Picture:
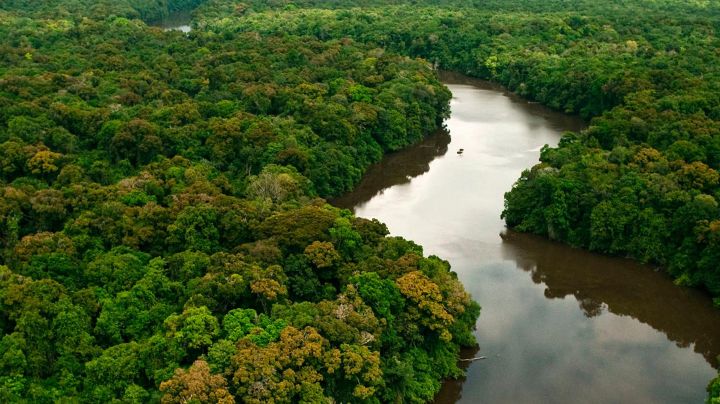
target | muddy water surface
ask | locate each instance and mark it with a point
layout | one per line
(558, 325)
(175, 21)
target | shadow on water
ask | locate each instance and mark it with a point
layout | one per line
(620, 286)
(565, 121)
(633, 337)
(175, 21)
(396, 169)
(451, 390)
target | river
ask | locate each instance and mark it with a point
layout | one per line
(558, 325)
(175, 21)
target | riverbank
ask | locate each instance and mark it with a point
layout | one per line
(561, 322)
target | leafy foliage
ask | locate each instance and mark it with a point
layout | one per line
(643, 180)
(714, 391)
(162, 236)
(158, 190)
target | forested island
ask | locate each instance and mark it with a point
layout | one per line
(163, 229)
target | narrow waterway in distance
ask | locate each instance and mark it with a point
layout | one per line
(558, 325)
(175, 21)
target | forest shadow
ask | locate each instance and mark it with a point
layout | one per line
(395, 169)
(620, 286)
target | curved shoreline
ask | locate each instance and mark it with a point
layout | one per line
(576, 290)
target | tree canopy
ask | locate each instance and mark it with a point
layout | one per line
(162, 233)
(162, 236)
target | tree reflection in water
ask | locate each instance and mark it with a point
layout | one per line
(620, 286)
(396, 169)
(451, 390)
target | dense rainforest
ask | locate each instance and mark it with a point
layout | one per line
(642, 181)
(161, 228)
(162, 233)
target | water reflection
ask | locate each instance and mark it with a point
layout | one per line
(558, 325)
(622, 287)
(175, 21)
(452, 389)
(396, 169)
(562, 122)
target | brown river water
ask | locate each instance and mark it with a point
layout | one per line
(558, 325)
(175, 21)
